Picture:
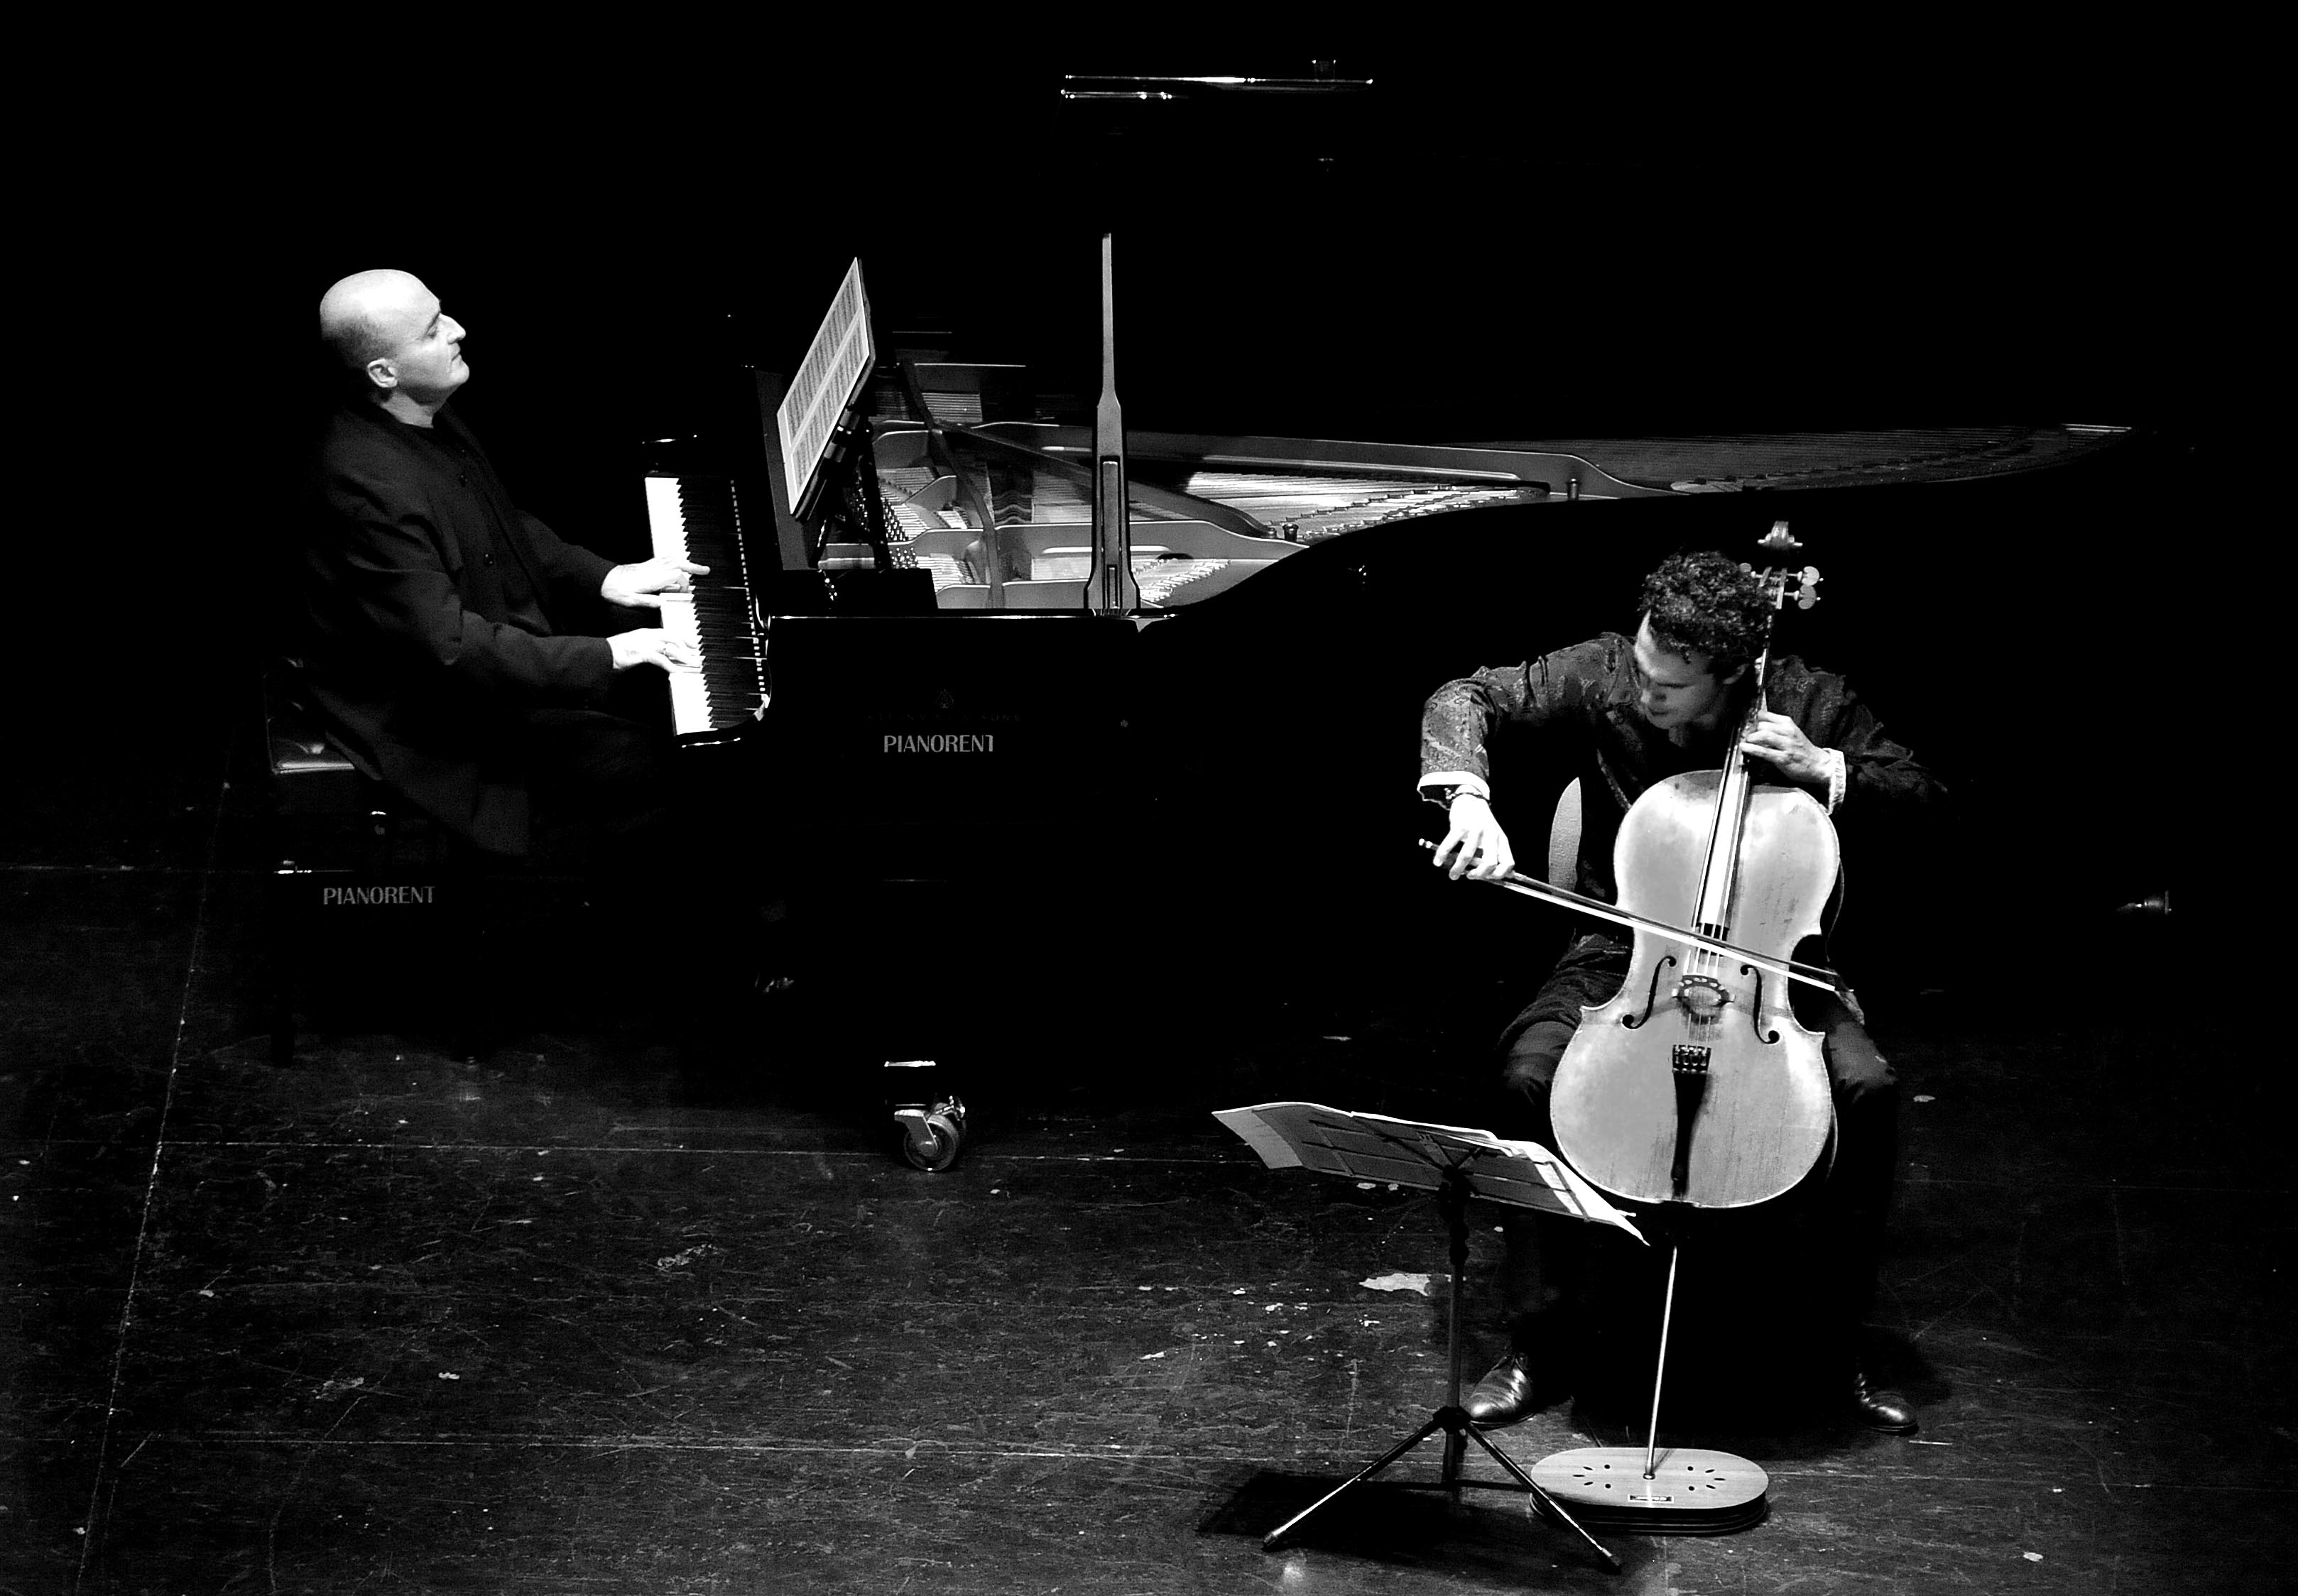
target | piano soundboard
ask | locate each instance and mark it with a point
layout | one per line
(1158, 571)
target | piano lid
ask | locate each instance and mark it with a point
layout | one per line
(1210, 511)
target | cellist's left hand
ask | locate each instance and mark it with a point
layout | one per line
(1781, 742)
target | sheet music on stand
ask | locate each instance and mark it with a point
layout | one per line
(1402, 1152)
(839, 358)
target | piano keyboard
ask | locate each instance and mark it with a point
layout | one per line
(695, 518)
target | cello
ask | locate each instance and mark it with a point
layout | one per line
(1696, 1083)
(1696, 1086)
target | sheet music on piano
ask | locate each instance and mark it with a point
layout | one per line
(700, 517)
(842, 355)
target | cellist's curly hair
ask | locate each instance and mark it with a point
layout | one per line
(1704, 603)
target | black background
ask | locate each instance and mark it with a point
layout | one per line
(1513, 236)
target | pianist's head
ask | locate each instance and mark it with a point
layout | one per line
(395, 344)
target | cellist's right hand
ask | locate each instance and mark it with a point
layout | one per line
(1475, 847)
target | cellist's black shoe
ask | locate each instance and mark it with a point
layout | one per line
(1878, 1410)
(1544, 1346)
(1505, 1395)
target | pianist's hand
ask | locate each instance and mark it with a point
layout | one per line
(1474, 845)
(637, 586)
(651, 646)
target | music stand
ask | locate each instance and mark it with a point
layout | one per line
(1457, 1163)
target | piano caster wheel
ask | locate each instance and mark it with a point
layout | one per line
(932, 1137)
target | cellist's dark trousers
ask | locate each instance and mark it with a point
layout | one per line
(1548, 1259)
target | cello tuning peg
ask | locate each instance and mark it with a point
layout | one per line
(1807, 592)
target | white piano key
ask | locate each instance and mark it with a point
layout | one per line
(690, 706)
(663, 520)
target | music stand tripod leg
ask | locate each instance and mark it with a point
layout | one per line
(1452, 1419)
(1275, 1537)
(1543, 1501)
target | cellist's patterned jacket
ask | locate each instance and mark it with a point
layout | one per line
(1587, 696)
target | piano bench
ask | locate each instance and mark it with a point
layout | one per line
(348, 860)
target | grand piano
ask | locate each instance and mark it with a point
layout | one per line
(1025, 784)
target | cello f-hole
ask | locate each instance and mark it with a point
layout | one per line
(1755, 1008)
(1629, 1022)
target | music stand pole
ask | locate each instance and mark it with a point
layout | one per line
(1452, 1419)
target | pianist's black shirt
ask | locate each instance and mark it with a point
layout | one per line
(437, 611)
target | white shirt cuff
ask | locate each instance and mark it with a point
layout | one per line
(1459, 781)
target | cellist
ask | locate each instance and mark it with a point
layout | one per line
(1638, 709)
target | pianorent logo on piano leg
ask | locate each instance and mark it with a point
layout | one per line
(346, 896)
(940, 742)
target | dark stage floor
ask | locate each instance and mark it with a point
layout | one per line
(563, 1319)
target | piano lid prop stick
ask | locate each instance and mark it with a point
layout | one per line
(1111, 590)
